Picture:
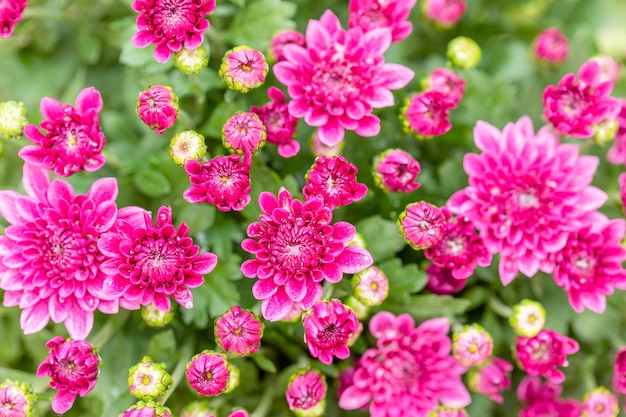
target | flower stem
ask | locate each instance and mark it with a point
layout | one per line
(266, 400)
(110, 328)
(185, 354)
(499, 307)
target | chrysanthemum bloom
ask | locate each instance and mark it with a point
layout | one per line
(526, 193)
(10, 15)
(280, 40)
(528, 318)
(396, 171)
(622, 186)
(472, 345)
(444, 13)
(73, 140)
(600, 403)
(422, 225)
(171, 25)
(491, 379)
(425, 114)
(609, 68)
(319, 148)
(460, 249)
(340, 77)
(617, 153)
(148, 380)
(446, 82)
(12, 119)
(443, 411)
(238, 331)
(619, 372)
(589, 267)
(147, 264)
(328, 326)
(409, 369)
(540, 355)
(551, 46)
(223, 181)
(208, 373)
(156, 318)
(307, 391)
(543, 399)
(16, 399)
(370, 286)
(243, 69)
(191, 61)
(297, 248)
(280, 125)
(186, 146)
(574, 106)
(463, 53)
(441, 281)
(374, 14)
(157, 107)
(244, 133)
(333, 179)
(48, 255)
(73, 366)
(148, 408)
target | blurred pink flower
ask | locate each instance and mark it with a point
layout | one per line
(472, 345)
(73, 140)
(10, 15)
(446, 82)
(148, 408)
(543, 399)
(16, 399)
(619, 371)
(422, 225)
(622, 186)
(333, 179)
(238, 331)
(541, 354)
(551, 46)
(609, 68)
(243, 69)
(426, 114)
(441, 281)
(208, 373)
(396, 171)
(306, 389)
(280, 40)
(445, 13)
(244, 133)
(600, 402)
(340, 77)
(280, 126)
(617, 153)
(491, 379)
(374, 14)
(157, 107)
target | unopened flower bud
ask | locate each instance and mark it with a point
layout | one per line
(528, 318)
(156, 318)
(233, 381)
(605, 131)
(370, 286)
(16, 399)
(12, 119)
(306, 393)
(244, 133)
(148, 380)
(551, 46)
(243, 69)
(208, 373)
(396, 171)
(422, 225)
(187, 145)
(157, 107)
(148, 408)
(600, 403)
(238, 331)
(197, 409)
(191, 61)
(472, 345)
(464, 53)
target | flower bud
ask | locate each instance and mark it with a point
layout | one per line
(16, 399)
(464, 53)
(370, 286)
(282, 38)
(156, 318)
(551, 46)
(528, 318)
(148, 408)
(12, 119)
(238, 331)
(422, 225)
(605, 131)
(191, 61)
(243, 133)
(600, 403)
(444, 13)
(243, 69)
(197, 409)
(306, 393)
(186, 146)
(148, 380)
(396, 171)
(472, 345)
(491, 379)
(208, 373)
(157, 107)
(360, 309)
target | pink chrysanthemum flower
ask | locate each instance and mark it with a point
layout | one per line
(146, 264)
(73, 140)
(619, 372)
(396, 170)
(443, 411)
(472, 345)
(370, 286)
(551, 46)
(171, 25)
(528, 318)
(10, 15)
(244, 133)
(589, 267)
(208, 373)
(600, 403)
(491, 379)
(280, 126)
(422, 225)
(297, 248)
(16, 399)
(617, 153)
(157, 107)
(446, 82)
(224, 181)
(148, 408)
(526, 193)
(340, 77)
(374, 14)
(238, 331)
(73, 366)
(445, 13)
(543, 399)
(280, 40)
(409, 369)
(307, 391)
(243, 69)
(328, 327)
(425, 114)
(333, 179)
(540, 355)
(573, 106)
(48, 255)
(441, 281)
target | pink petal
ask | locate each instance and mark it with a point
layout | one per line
(382, 323)
(264, 288)
(332, 271)
(51, 109)
(35, 318)
(396, 76)
(36, 181)
(317, 38)
(286, 72)
(486, 137)
(296, 289)
(377, 41)
(205, 263)
(331, 133)
(79, 322)
(343, 231)
(354, 259)
(354, 398)
(268, 202)
(142, 39)
(103, 189)
(183, 296)
(277, 306)
(89, 99)
(63, 401)
(368, 126)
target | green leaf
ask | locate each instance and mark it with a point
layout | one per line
(593, 327)
(152, 183)
(89, 46)
(221, 294)
(264, 362)
(381, 236)
(220, 115)
(429, 305)
(197, 216)
(407, 278)
(255, 25)
(162, 345)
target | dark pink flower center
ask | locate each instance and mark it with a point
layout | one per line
(332, 335)
(541, 352)
(159, 261)
(337, 80)
(174, 16)
(574, 102)
(296, 248)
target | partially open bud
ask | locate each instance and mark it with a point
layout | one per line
(243, 69)
(422, 225)
(306, 393)
(191, 61)
(148, 380)
(244, 133)
(157, 107)
(208, 373)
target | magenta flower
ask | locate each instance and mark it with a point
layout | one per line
(600, 403)
(472, 345)
(551, 46)
(280, 40)
(445, 13)
(73, 140)
(333, 179)
(73, 366)
(297, 248)
(10, 15)
(280, 126)
(422, 225)
(208, 373)
(171, 25)
(374, 14)
(617, 153)
(409, 369)
(619, 372)
(491, 379)
(370, 286)
(609, 68)
(574, 107)
(541, 354)
(340, 77)
(48, 255)
(16, 399)
(238, 331)
(145, 264)
(396, 171)
(543, 399)
(441, 281)
(306, 390)
(526, 193)
(148, 408)
(243, 69)
(447, 83)
(426, 114)
(224, 181)
(244, 133)
(328, 328)
(157, 107)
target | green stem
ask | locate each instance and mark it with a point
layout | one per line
(328, 290)
(110, 328)
(185, 354)
(43, 13)
(499, 307)
(617, 342)
(112, 160)
(589, 381)
(266, 400)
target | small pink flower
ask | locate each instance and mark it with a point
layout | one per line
(445, 13)
(600, 403)
(238, 331)
(543, 399)
(370, 286)
(551, 46)
(148, 408)
(374, 14)
(472, 345)
(306, 389)
(208, 373)
(491, 379)
(426, 114)
(16, 399)
(609, 68)
(243, 69)
(157, 107)
(280, 126)
(147, 264)
(422, 225)
(540, 355)
(171, 25)
(333, 179)
(73, 140)
(244, 133)
(328, 327)
(619, 372)
(10, 15)
(396, 170)
(282, 39)
(73, 366)
(441, 281)
(446, 82)
(148, 380)
(224, 181)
